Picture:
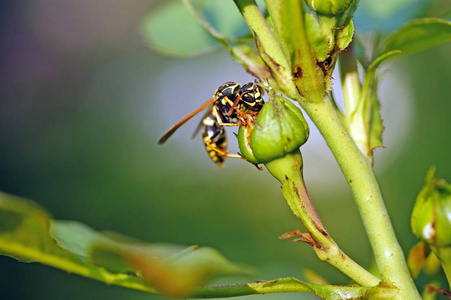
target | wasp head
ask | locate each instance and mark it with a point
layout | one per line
(251, 95)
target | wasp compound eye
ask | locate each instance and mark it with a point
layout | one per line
(251, 96)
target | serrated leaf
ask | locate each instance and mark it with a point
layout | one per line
(345, 35)
(376, 126)
(27, 233)
(418, 35)
(366, 122)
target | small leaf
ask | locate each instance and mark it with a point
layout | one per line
(418, 35)
(320, 35)
(376, 126)
(345, 35)
(432, 265)
(416, 258)
(366, 122)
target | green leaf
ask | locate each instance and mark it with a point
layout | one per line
(418, 35)
(173, 273)
(238, 48)
(27, 233)
(172, 30)
(345, 35)
(376, 126)
(416, 258)
(320, 35)
(75, 237)
(366, 122)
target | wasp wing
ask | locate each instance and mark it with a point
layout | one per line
(201, 123)
(177, 125)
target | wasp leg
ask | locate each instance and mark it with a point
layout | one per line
(219, 119)
(222, 152)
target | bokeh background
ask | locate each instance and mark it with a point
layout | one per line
(83, 102)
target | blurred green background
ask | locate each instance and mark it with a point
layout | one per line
(83, 102)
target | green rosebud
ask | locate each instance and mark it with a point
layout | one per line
(274, 139)
(431, 216)
(329, 7)
(280, 128)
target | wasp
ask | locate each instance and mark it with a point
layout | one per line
(232, 104)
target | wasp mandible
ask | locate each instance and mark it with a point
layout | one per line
(232, 104)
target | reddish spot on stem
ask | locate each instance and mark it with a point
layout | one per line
(298, 73)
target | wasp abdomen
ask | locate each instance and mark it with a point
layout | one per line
(215, 140)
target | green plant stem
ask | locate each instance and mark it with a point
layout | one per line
(354, 165)
(290, 285)
(282, 285)
(329, 250)
(288, 170)
(362, 181)
(253, 15)
(267, 44)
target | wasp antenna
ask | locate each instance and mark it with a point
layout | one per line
(235, 104)
(177, 125)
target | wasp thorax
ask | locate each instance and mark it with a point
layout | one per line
(229, 89)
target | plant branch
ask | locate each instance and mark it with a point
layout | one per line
(362, 181)
(267, 45)
(288, 170)
(290, 285)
